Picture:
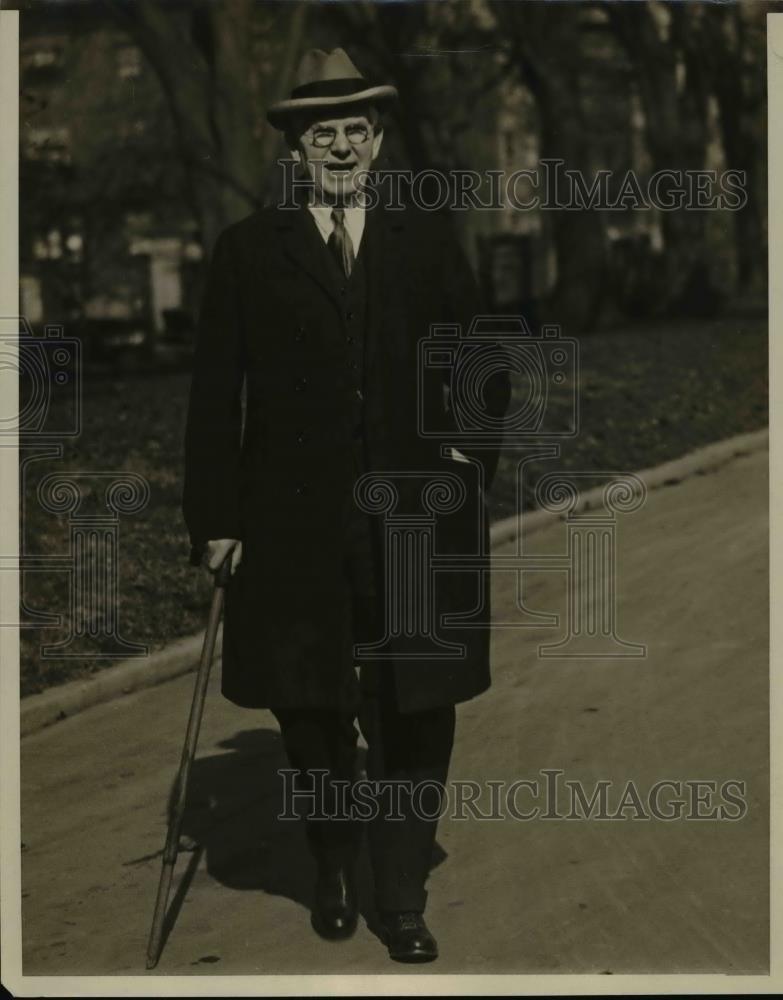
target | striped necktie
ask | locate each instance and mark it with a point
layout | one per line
(340, 242)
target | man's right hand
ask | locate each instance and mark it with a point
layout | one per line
(217, 549)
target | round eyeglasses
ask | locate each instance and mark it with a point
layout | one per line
(324, 136)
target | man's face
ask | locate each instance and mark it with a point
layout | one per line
(335, 152)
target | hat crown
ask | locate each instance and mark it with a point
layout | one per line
(328, 80)
(317, 66)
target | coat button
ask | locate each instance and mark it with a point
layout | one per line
(300, 332)
(302, 489)
(349, 340)
(301, 384)
(354, 365)
(301, 437)
(349, 315)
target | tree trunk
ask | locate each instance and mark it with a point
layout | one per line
(206, 66)
(739, 89)
(676, 133)
(546, 49)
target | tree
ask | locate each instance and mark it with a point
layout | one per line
(546, 50)
(734, 39)
(215, 63)
(665, 47)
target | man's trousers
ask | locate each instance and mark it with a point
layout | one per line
(407, 753)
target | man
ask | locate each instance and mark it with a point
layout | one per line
(319, 308)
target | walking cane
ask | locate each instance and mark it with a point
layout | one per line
(222, 576)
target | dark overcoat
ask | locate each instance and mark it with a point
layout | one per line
(272, 317)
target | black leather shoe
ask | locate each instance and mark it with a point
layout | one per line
(408, 938)
(336, 909)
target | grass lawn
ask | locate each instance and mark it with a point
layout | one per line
(653, 393)
(646, 395)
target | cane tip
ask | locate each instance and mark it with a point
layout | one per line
(152, 961)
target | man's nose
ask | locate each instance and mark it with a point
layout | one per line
(341, 147)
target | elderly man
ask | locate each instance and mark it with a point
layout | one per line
(319, 307)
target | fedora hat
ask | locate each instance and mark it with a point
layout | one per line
(327, 80)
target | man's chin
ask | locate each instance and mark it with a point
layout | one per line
(345, 191)
(336, 185)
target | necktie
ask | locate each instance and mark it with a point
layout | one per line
(340, 242)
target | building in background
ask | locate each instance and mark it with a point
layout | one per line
(108, 239)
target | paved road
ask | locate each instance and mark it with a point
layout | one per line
(539, 895)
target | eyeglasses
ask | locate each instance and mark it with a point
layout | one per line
(324, 136)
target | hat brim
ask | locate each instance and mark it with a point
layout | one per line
(280, 112)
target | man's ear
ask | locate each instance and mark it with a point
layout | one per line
(377, 140)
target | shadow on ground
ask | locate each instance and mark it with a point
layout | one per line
(231, 820)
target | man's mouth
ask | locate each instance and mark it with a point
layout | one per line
(340, 168)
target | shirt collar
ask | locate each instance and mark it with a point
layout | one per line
(354, 221)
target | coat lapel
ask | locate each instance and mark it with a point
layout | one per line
(303, 244)
(383, 247)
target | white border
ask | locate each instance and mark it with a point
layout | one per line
(376, 985)
(10, 839)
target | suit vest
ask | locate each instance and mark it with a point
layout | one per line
(352, 293)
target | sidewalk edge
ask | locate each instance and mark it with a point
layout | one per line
(669, 473)
(180, 657)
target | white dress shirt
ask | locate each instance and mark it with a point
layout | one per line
(354, 222)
